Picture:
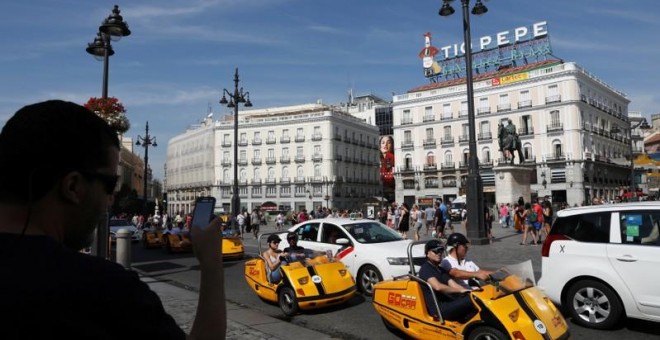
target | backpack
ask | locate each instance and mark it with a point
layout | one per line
(532, 216)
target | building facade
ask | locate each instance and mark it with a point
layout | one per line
(564, 117)
(293, 157)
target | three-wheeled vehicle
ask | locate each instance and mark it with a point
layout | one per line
(314, 281)
(508, 306)
(232, 245)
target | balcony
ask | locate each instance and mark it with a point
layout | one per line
(483, 110)
(503, 107)
(271, 140)
(529, 131)
(406, 169)
(338, 157)
(243, 161)
(270, 160)
(256, 141)
(462, 165)
(256, 161)
(429, 119)
(300, 138)
(555, 127)
(285, 159)
(448, 166)
(583, 98)
(447, 140)
(555, 157)
(299, 159)
(226, 143)
(317, 137)
(285, 139)
(486, 163)
(463, 138)
(337, 137)
(406, 121)
(462, 113)
(285, 180)
(270, 181)
(407, 144)
(299, 179)
(446, 116)
(317, 157)
(485, 136)
(524, 103)
(242, 142)
(255, 182)
(553, 99)
(226, 162)
(429, 142)
(430, 167)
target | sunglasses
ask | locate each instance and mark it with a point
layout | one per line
(109, 181)
(438, 250)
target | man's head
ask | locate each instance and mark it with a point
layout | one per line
(292, 238)
(457, 245)
(434, 251)
(62, 152)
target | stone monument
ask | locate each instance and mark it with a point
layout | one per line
(512, 182)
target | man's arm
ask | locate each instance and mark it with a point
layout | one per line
(446, 289)
(465, 275)
(211, 318)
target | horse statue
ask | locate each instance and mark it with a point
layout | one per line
(509, 142)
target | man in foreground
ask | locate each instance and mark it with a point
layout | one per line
(58, 166)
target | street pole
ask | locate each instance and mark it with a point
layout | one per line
(475, 228)
(145, 142)
(235, 98)
(112, 27)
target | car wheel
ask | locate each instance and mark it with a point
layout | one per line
(487, 332)
(594, 305)
(287, 300)
(368, 276)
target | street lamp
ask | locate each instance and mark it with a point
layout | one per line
(145, 142)
(113, 28)
(475, 229)
(234, 99)
(644, 126)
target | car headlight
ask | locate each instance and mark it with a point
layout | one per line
(398, 261)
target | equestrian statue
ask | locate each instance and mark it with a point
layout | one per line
(509, 142)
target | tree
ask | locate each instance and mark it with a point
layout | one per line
(111, 110)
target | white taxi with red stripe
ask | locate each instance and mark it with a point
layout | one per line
(369, 249)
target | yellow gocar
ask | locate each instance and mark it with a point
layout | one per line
(310, 283)
(508, 307)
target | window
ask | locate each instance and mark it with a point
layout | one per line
(430, 158)
(309, 232)
(243, 155)
(243, 137)
(446, 111)
(592, 228)
(484, 127)
(448, 157)
(317, 170)
(640, 227)
(317, 149)
(485, 155)
(271, 173)
(285, 133)
(300, 172)
(285, 172)
(483, 102)
(242, 174)
(407, 136)
(300, 152)
(225, 156)
(257, 154)
(554, 118)
(429, 133)
(257, 174)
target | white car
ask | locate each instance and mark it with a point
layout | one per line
(116, 224)
(602, 263)
(369, 249)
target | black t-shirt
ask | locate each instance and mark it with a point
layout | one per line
(294, 249)
(48, 291)
(427, 271)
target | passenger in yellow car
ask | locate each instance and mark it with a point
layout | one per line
(274, 259)
(453, 299)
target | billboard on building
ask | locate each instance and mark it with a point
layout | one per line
(387, 161)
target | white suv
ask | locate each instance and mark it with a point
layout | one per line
(602, 263)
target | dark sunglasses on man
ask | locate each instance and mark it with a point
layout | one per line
(109, 181)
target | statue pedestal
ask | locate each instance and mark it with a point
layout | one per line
(512, 182)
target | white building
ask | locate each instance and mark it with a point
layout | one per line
(563, 116)
(291, 157)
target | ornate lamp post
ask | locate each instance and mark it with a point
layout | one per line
(113, 28)
(476, 230)
(235, 98)
(145, 142)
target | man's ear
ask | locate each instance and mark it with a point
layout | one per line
(71, 187)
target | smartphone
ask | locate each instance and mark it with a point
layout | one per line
(203, 212)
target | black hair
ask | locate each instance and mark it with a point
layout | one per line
(44, 141)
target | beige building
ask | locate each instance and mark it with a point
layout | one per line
(564, 117)
(293, 157)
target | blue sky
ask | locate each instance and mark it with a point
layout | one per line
(182, 53)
